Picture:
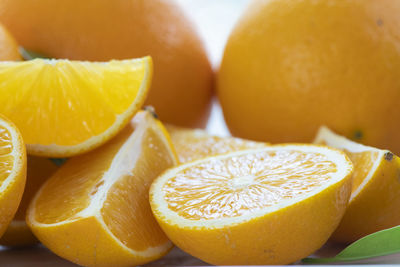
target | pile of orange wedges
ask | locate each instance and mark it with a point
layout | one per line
(106, 184)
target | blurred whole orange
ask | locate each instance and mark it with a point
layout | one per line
(8, 46)
(99, 30)
(292, 65)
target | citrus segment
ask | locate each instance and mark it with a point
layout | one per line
(99, 30)
(119, 198)
(95, 211)
(12, 171)
(18, 233)
(69, 107)
(192, 144)
(241, 207)
(375, 199)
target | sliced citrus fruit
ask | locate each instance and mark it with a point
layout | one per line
(192, 144)
(271, 205)
(375, 200)
(12, 171)
(18, 233)
(95, 211)
(64, 108)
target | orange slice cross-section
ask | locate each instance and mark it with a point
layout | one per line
(64, 108)
(12, 171)
(375, 200)
(271, 205)
(95, 211)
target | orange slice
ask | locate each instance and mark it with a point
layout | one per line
(95, 211)
(12, 171)
(272, 205)
(64, 108)
(192, 144)
(18, 233)
(375, 200)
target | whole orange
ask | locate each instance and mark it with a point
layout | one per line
(8, 46)
(292, 65)
(100, 30)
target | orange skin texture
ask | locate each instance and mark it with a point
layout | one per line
(293, 65)
(8, 46)
(375, 208)
(100, 30)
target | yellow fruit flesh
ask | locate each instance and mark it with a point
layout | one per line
(363, 162)
(121, 212)
(71, 188)
(271, 205)
(6, 159)
(195, 144)
(12, 171)
(69, 107)
(374, 203)
(65, 90)
(243, 184)
(120, 198)
(108, 189)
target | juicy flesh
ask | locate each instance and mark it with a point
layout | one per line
(234, 186)
(6, 158)
(58, 98)
(127, 207)
(126, 210)
(71, 188)
(363, 163)
(191, 146)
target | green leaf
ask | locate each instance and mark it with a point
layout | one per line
(381, 243)
(29, 55)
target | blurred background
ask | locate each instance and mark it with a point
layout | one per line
(214, 21)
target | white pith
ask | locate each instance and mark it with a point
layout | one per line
(332, 139)
(130, 152)
(17, 164)
(160, 206)
(56, 150)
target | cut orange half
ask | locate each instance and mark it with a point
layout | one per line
(64, 108)
(18, 233)
(375, 200)
(192, 144)
(12, 171)
(95, 209)
(272, 205)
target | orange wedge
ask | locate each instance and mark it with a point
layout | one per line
(12, 171)
(95, 211)
(192, 144)
(64, 108)
(18, 233)
(375, 200)
(271, 205)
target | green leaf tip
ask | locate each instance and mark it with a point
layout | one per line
(378, 244)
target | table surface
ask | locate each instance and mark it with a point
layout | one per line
(214, 20)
